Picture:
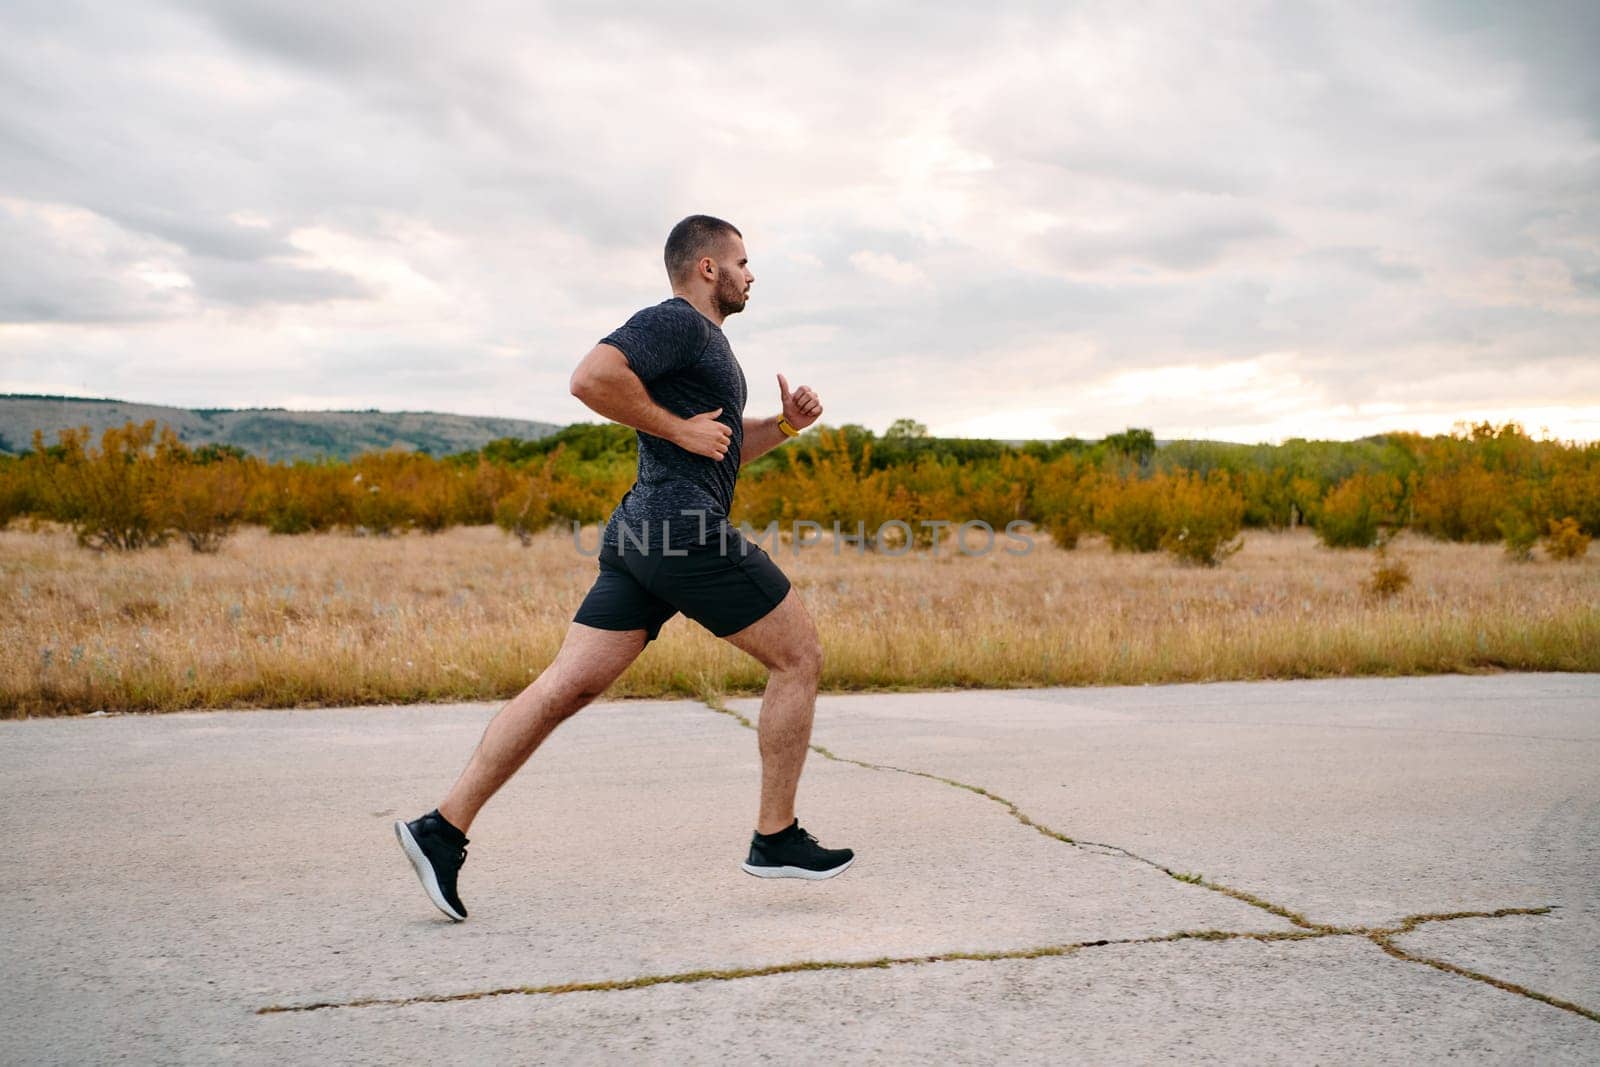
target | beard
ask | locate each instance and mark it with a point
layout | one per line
(729, 297)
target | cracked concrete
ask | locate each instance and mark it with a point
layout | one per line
(1327, 1000)
(1349, 801)
(1544, 953)
(183, 873)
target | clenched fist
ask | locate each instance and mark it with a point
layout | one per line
(703, 435)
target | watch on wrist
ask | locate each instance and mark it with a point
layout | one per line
(788, 430)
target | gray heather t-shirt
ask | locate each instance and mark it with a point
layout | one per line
(687, 367)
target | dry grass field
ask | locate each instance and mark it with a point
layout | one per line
(470, 615)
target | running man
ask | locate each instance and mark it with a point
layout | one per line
(669, 373)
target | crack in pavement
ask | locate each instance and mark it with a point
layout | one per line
(715, 704)
(1478, 976)
(1380, 936)
(883, 963)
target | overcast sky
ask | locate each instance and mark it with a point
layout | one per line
(1245, 221)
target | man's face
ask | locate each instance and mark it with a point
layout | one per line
(733, 276)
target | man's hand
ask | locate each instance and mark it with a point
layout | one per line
(703, 435)
(801, 407)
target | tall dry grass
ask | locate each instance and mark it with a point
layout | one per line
(470, 614)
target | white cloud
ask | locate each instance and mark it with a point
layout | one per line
(1063, 218)
(885, 267)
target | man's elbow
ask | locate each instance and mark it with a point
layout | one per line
(592, 375)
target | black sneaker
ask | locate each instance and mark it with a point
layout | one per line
(793, 853)
(437, 850)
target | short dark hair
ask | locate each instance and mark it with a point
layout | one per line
(691, 239)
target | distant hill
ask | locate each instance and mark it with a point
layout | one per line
(271, 433)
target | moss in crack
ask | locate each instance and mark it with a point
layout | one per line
(1411, 922)
(1382, 940)
(1380, 936)
(716, 704)
(880, 963)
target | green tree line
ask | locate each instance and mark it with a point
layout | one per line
(138, 485)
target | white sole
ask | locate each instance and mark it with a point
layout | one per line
(796, 872)
(424, 869)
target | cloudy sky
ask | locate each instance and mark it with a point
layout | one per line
(1238, 220)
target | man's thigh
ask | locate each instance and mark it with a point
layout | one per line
(785, 638)
(591, 659)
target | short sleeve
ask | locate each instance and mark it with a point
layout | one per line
(661, 340)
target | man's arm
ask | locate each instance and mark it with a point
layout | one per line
(608, 386)
(760, 437)
(801, 408)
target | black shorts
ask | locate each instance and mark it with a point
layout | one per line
(723, 588)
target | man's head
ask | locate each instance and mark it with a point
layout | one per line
(705, 256)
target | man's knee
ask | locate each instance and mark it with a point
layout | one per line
(571, 694)
(803, 656)
(589, 661)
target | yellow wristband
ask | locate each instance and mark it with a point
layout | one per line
(788, 430)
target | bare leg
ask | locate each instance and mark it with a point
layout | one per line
(590, 660)
(785, 642)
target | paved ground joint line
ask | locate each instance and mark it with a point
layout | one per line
(1382, 937)
(1379, 936)
(716, 704)
(693, 977)
(1399, 953)
(885, 962)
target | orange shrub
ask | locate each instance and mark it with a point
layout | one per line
(1390, 577)
(110, 495)
(1132, 512)
(1063, 499)
(15, 499)
(1566, 540)
(204, 502)
(1574, 489)
(1463, 504)
(1202, 518)
(301, 498)
(827, 484)
(524, 508)
(1355, 511)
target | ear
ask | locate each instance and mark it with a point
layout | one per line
(708, 267)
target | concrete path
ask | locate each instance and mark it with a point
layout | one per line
(1385, 869)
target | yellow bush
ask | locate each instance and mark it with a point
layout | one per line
(1063, 499)
(1566, 540)
(828, 484)
(110, 495)
(1463, 504)
(1202, 518)
(302, 497)
(204, 502)
(524, 508)
(1132, 512)
(1356, 510)
(1390, 577)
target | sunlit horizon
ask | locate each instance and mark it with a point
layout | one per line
(1564, 425)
